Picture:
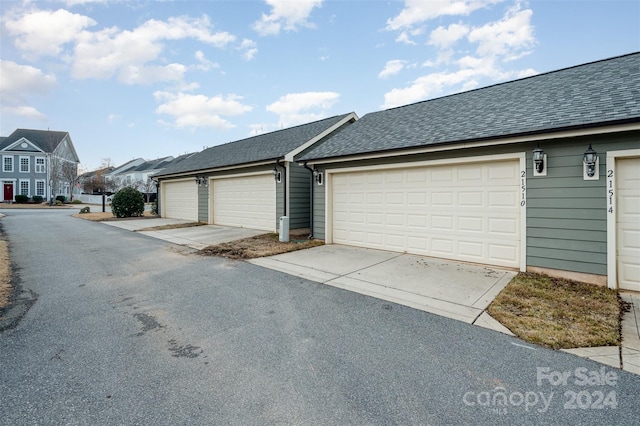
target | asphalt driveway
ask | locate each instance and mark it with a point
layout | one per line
(132, 330)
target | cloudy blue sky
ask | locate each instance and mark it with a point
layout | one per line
(150, 79)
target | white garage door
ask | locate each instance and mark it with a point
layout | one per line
(247, 202)
(180, 199)
(628, 218)
(468, 212)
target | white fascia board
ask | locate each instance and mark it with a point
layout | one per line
(289, 156)
(491, 142)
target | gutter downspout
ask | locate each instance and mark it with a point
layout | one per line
(310, 202)
(284, 181)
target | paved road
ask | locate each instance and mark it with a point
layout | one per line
(129, 330)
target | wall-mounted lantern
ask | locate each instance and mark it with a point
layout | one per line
(317, 177)
(539, 162)
(277, 175)
(590, 163)
(202, 181)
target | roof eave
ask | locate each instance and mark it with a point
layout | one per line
(188, 173)
(556, 133)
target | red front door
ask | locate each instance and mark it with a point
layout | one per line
(8, 192)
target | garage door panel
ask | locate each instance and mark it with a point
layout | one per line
(456, 212)
(628, 223)
(247, 202)
(181, 200)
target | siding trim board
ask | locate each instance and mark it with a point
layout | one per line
(611, 209)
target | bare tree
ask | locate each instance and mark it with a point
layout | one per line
(69, 175)
(148, 187)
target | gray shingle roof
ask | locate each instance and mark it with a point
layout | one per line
(46, 140)
(268, 146)
(597, 93)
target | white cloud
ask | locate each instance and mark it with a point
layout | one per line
(193, 111)
(507, 37)
(134, 74)
(496, 44)
(249, 47)
(17, 84)
(392, 67)
(285, 15)
(24, 111)
(418, 11)
(298, 108)
(445, 37)
(205, 64)
(108, 52)
(44, 32)
(18, 80)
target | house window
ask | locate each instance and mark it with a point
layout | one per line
(40, 165)
(7, 164)
(40, 188)
(24, 164)
(24, 187)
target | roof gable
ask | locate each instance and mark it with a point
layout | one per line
(594, 94)
(266, 147)
(44, 140)
(23, 145)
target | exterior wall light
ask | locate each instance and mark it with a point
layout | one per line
(539, 162)
(277, 175)
(202, 181)
(590, 163)
(317, 177)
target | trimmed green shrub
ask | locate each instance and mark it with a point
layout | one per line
(127, 202)
(37, 198)
(76, 202)
(61, 198)
(21, 198)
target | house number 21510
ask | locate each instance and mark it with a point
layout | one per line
(523, 188)
(610, 191)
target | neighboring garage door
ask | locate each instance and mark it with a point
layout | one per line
(180, 199)
(628, 222)
(468, 212)
(247, 202)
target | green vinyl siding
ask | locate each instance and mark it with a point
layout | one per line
(566, 215)
(318, 210)
(566, 223)
(299, 196)
(203, 203)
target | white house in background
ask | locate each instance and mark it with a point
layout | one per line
(137, 173)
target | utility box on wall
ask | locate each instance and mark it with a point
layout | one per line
(284, 229)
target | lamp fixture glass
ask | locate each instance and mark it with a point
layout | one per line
(590, 158)
(538, 159)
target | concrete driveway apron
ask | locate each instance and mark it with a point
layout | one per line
(197, 237)
(447, 288)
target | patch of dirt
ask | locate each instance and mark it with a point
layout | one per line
(103, 217)
(559, 313)
(260, 246)
(5, 273)
(174, 226)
